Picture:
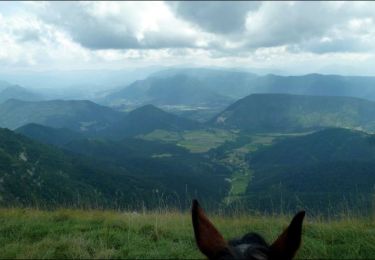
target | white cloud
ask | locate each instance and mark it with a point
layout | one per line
(121, 25)
(114, 34)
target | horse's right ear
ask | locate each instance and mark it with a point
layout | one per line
(287, 244)
(208, 238)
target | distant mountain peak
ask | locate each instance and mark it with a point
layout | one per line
(147, 108)
(18, 92)
(146, 119)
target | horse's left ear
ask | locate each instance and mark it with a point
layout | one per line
(208, 238)
(286, 245)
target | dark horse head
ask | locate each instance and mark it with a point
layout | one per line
(251, 246)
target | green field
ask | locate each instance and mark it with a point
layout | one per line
(259, 140)
(197, 141)
(108, 234)
(241, 175)
(162, 135)
(200, 141)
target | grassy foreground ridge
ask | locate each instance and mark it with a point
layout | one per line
(64, 233)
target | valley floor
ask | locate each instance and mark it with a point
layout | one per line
(27, 233)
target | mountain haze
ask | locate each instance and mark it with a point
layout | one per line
(229, 83)
(178, 89)
(220, 86)
(316, 85)
(8, 91)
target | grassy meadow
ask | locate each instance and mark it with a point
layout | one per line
(196, 141)
(64, 233)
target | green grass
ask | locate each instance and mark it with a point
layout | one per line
(266, 139)
(109, 234)
(200, 141)
(203, 140)
(241, 175)
(162, 135)
(239, 183)
(197, 141)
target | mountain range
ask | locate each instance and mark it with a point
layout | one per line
(74, 118)
(288, 113)
(77, 115)
(177, 90)
(79, 153)
(177, 86)
(254, 113)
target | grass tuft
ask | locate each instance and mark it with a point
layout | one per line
(27, 233)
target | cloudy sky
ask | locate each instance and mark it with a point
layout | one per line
(290, 36)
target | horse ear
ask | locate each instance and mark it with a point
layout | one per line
(208, 238)
(286, 245)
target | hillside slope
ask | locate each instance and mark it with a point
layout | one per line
(33, 174)
(287, 113)
(146, 119)
(14, 91)
(323, 171)
(80, 115)
(168, 86)
(178, 89)
(49, 135)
